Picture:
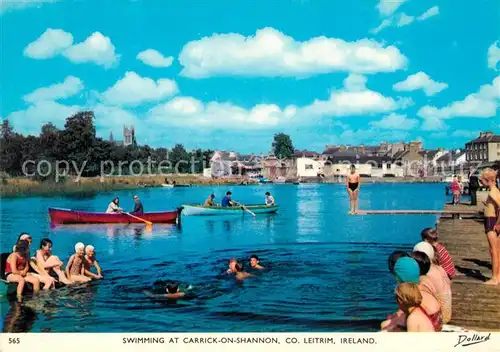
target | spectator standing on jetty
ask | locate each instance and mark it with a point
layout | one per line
(456, 189)
(473, 187)
(352, 184)
(492, 222)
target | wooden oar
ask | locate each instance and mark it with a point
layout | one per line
(245, 208)
(138, 218)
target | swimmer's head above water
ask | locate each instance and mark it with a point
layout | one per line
(172, 288)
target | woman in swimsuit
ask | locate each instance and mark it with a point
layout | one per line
(409, 299)
(16, 269)
(352, 184)
(50, 262)
(492, 223)
(75, 270)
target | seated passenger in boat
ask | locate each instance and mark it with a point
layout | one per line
(254, 263)
(36, 269)
(49, 262)
(16, 269)
(138, 207)
(75, 269)
(269, 199)
(226, 201)
(91, 261)
(210, 201)
(114, 206)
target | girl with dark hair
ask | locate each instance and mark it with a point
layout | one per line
(17, 266)
(430, 235)
(50, 262)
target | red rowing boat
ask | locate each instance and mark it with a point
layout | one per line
(68, 216)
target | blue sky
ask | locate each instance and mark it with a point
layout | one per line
(228, 74)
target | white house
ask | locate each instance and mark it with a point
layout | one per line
(309, 167)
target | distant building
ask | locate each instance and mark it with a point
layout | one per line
(485, 148)
(128, 137)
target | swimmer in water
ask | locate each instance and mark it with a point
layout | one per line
(254, 263)
(232, 264)
(240, 274)
(352, 184)
(174, 292)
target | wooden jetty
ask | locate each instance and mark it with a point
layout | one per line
(475, 306)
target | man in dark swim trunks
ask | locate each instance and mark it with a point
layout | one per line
(352, 183)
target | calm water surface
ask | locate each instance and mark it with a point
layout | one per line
(327, 271)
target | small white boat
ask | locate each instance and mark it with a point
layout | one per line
(199, 209)
(167, 185)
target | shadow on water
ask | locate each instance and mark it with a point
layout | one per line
(19, 318)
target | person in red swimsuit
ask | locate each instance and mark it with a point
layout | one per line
(409, 299)
(16, 269)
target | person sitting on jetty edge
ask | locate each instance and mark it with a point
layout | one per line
(16, 269)
(353, 181)
(75, 269)
(430, 235)
(226, 201)
(254, 263)
(91, 261)
(210, 201)
(409, 300)
(269, 199)
(50, 262)
(138, 207)
(114, 206)
(492, 223)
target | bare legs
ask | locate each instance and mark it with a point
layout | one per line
(79, 278)
(494, 248)
(353, 200)
(21, 281)
(54, 263)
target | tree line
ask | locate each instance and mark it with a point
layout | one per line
(78, 144)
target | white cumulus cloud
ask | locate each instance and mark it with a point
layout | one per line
(97, 48)
(388, 7)
(9, 5)
(422, 81)
(154, 58)
(133, 89)
(353, 99)
(190, 112)
(396, 122)
(433, 11)
(51, 43)
(270, 53)
(31, 119)
(483, 104)
(405, 20)
(494, 56)
(69, 87)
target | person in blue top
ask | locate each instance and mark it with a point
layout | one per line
(226, 201)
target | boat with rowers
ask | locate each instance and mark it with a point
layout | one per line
(200, 209)
(69, 216)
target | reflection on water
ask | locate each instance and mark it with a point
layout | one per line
(325, 270)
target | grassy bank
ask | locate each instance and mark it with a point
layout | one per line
(26, 187)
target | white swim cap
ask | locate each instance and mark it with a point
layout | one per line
(89, 248)
(79, 245)
(425, 248)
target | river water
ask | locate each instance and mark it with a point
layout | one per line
(326, 270)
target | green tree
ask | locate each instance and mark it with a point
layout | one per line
(179, 159)
(282, 146)
(11, 146)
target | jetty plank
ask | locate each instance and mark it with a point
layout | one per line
(475, 306)
(417, 212)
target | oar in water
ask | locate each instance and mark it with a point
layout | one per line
(245, 208)
(138, 218)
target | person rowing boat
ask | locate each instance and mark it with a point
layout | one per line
(227, 201)
(269, 199)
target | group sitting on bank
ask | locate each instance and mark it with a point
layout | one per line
(423, 293)
(47, 269)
